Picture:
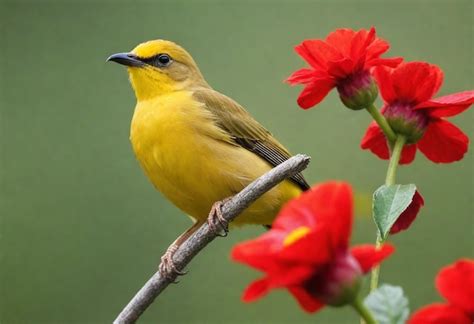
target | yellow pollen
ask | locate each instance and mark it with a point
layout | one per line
(295, 235)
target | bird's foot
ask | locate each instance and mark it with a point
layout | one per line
(216, 221)
(167, 267)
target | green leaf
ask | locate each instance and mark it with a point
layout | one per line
(388, 204)
(388, 304)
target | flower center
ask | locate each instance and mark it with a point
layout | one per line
(407, 121)
(295, 235)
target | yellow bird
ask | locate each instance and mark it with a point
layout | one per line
(196, 145)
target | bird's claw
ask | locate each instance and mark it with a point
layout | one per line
(216, 219)
(167, 267)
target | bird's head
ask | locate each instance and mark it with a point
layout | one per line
(158, 67)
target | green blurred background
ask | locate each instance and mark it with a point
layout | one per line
(82, 228)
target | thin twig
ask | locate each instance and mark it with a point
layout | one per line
(194, 244)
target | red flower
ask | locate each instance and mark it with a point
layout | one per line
(307, 250)
(411, 111)
(456, 283)
(342, 60)
(408, 216)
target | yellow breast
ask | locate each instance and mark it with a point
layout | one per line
(188, 158)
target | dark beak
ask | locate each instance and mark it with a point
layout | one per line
(127, 59)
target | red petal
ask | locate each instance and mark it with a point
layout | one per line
(375, 141)
(315, 92)
(327, 206)
(255, 290)
(345, 51)
(314, 249)
(377, 48)
(258, 253)
(332, 206)
(449, 105)
(359, 44)
(456, 283)
(341, 69)
(439, 314)
(295, 214)
(317, 53)
(290, 275)
(299, 212)
(341, 39)
(369, 256)
(384, 80)
(302, 76)
(443, 142)
(387, 62)
(408, 154)
(306, 301)
(416, 81)
(361, 40)
(408, 216)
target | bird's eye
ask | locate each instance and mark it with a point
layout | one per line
(163, 60)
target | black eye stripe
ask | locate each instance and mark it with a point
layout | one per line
(160, 60)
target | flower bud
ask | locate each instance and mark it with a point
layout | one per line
(358, 91)
(406, 121)
(339, 283)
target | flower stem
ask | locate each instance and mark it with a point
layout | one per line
(382, 122)
(394, 159)
(374, 276)
(363, 311)
(389, 180)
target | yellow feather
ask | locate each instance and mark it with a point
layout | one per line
(170, 137)
(183, 145)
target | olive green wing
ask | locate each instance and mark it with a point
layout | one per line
(245, 131)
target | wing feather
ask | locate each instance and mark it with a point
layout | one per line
(245, 131)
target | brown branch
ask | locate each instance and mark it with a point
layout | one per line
(195, 243)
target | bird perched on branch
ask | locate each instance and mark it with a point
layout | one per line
(196, 145)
